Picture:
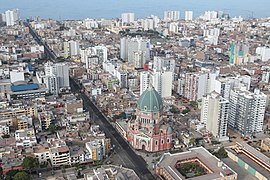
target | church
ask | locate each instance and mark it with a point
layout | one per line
(147, 132)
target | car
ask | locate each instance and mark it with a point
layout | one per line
(109, 162)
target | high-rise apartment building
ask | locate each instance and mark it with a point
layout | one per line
(264, 53)
(160, 80)
(215, 114)
(171, 15)
(164, 64)
(239, 53)
(102, 53)
(195, 85)
(127, 18)
(71, 48)
(135, 50)
(210, 15)
(247, 111)
(188, 15)
(144, 81)
(58, 75)
(11, 17)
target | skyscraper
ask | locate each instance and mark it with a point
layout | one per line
(188, 15)
(71, 48)
(164, 63)
(239, 53)
(247, 111)
(215, 114)
(60, 71)
(160, 80)
(196, 85)
(11, 17)
(144, 81)
(135, 47)
(171, 15)
(102, 53)
(127, 18)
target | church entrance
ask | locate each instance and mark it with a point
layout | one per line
(143, 147)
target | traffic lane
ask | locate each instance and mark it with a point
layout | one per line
(137, 161)
(117, 139)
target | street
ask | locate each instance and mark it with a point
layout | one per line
(129, 158)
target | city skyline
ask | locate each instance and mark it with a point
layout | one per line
(64, 10)
(176, 95)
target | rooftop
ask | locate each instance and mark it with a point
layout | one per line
(215, 167)
(24, 87)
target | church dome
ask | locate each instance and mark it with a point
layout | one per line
(150, 101)
(169, 130)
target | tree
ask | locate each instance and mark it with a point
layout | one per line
(29, 163)
(192, 142)
(193, 104)
(123, 115)
(11, 173)
(6, 136)
(52, 128)
(174, 109)
(186, 111)
(221, 153)
(21, 176)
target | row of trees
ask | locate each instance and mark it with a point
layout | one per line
(29, 164)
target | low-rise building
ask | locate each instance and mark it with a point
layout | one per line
(98, 148)
(111, 172)
(265, 144)
(172, 166)
(249, 158)
(25, 137)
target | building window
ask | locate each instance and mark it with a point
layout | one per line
(162, 141)
(156, 142)
(168, 140)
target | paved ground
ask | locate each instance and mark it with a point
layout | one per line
(242, 173)
(128, 157)
(125, 153)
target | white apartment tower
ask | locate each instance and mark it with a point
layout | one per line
(71, 48)
(247, 111)
(188, 15)
(164, 63)
(196, 85)
(215, 114)
(138, 47)
(144, 81)
(127, 18)
(11, 17)
(160, 80)
(171, 15)
(102, 53)
(60, 71)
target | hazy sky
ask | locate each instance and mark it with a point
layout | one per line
(80, 9)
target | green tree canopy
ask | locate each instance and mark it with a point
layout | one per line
(221, 153)
(11, 173)
(192, 142)
(52, 128)
(30, 163)
(22, 176)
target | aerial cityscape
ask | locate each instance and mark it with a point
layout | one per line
(180, 94)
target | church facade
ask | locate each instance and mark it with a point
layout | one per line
(147, 132)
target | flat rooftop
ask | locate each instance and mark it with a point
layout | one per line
(255, 152)
(168, 162)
